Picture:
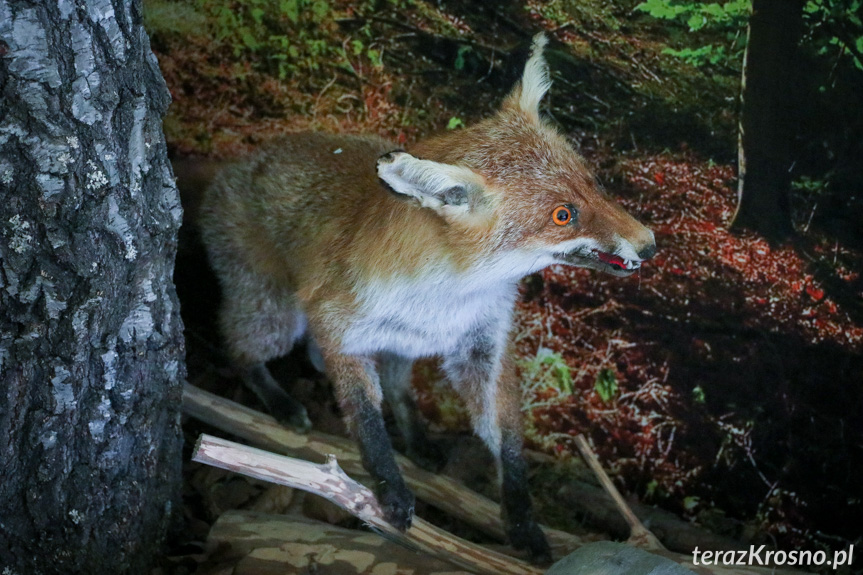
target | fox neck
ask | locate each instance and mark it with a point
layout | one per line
(406, 241)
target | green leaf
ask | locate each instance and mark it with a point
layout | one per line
(375, 57)
(662, 9)
(459, 58)
(249, 39)
(714, 10)
(698, 395)
(454, 123)
(696, 22)
(738, 8)
(812, 7)
(563, 376)
(698, 56)
(606, 385)
(651, 488)
(691, 502)
(320, 9)
(291, 9)
(716, 55)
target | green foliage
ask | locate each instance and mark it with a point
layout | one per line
(549, 369)
(698, 395)
(662, 9)
(722, 22)
(810, 186)
(606, 385)
(167, 18)
(841, 21)
(594, 15)
(555, 10)
(834, 28)
(281, 35)
(698, 15)
(708, 54)
(807, 194)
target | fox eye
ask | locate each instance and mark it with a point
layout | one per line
(562, 215)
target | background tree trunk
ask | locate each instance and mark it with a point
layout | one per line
(768, 118)
(91, 348)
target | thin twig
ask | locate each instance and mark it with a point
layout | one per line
(639, 536)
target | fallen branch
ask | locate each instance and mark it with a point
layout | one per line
(255, 543)
(442, 492)
(329, 481)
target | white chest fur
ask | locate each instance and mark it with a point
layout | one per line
(433, 313)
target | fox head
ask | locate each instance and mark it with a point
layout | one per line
(515, 183)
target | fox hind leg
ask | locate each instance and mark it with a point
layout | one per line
(260, 325)
(395, 377)
(278, 402)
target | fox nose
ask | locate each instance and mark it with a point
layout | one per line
(648, 251)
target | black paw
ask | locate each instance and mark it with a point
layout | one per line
(398, 505)
(292, 415)
(528, 535)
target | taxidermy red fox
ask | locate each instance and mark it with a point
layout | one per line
(380, 256)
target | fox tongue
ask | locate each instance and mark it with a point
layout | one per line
(612, 259)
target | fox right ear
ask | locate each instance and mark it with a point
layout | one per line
(534, 83)
(447, 189)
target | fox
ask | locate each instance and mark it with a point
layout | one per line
(376, 256)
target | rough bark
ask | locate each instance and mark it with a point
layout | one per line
(91, 348)
(767, 126)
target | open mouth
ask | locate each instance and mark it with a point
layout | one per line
(616, 262)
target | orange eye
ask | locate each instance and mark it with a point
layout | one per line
(561, 215)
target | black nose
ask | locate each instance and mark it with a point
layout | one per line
(648, 252)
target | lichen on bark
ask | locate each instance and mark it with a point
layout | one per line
(91, 348)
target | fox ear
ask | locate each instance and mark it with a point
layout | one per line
(449, 190)
(534, 81)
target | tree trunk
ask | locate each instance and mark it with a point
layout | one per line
(767, 127)
(91, 348)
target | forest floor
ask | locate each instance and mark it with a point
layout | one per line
(723, 382)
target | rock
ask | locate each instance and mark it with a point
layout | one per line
(610, 558)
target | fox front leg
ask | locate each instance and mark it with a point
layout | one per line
(359, 394)
(483, 374)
